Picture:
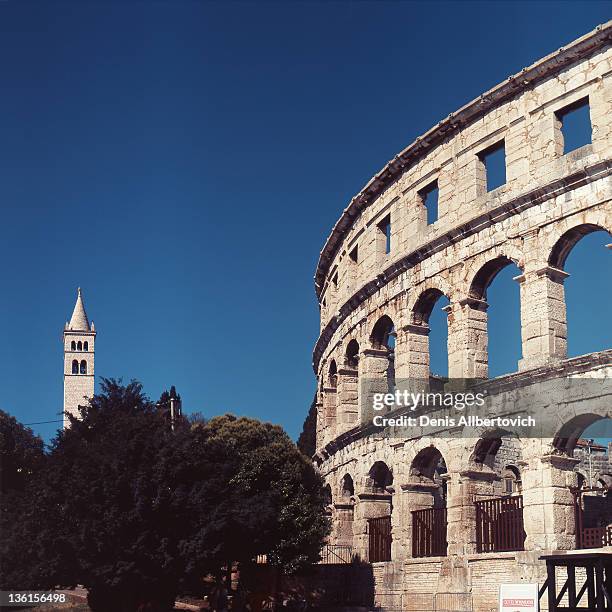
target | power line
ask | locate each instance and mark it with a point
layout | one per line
(45, 422)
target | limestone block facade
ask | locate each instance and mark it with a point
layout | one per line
(380, 274)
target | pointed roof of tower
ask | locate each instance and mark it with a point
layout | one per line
(79, 320)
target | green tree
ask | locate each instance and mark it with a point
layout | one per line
(109, 505)
(137, 513)
(21, 459)
(256, 492)
(21, 455)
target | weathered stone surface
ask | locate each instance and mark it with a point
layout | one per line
(549, 201)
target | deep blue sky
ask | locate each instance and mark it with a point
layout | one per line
(184, 162)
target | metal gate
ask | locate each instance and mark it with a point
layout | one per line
(429, 532)
(380, 539)
(499, 524)
(588, 535)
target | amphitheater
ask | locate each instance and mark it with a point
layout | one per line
(444, 518)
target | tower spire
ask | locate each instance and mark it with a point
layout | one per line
(79, 320)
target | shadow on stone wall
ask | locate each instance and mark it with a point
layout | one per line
(324, 587)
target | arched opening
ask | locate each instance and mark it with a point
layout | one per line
(379, 478)
(348, 388)
(511, 480)
(343, 526)
(83, 367)
(73, 345)
(429, 468)
(427, 503)
(85, 345)
(327, 495)
(347, 487)
(332, 377)
(352, 354)
(581, 252)
(75, 366)
(79, 346)
(383, 339)
(496, 296)
(586, 439)
(428, 335)
(497, 486)
(329, 383)
(377, 504)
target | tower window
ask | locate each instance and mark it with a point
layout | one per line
(83, 367)
(576, 128)
(73, 345)
(354, 255)
(79, 346)
(493, 160)
(384, 227)
(85, 345)
(75, 366)
(429, 199)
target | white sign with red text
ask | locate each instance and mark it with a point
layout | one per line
(518, 598)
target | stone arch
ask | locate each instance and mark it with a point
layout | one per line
(424, 305)
(417, 332)
(488, 443)
(351, 355)
(348, 388)
(329, 397)
(569, 432)
(379, 478)
(425, 500)
(486, 275)
(381, 357)
(327, 494)
(495, 452)
(332, 374)
(558, 279)
(511, 479)
(347, 487)
(568, 240)
(474, 317)
(427, 463)
(383, 334)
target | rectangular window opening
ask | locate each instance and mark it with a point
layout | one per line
(429, 199)
(576, 128)
(494, 162)
(335, 279)
(354, 255)
(385, 227)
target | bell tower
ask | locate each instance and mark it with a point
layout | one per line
(79, 350)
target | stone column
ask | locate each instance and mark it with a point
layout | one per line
(372, 379)
(330, 398)
(467, 339)
(543, 317)
(343, 524)
(369, 505)
(548, 504)
(412, 353)
(463, 490)
(348, 399)
(320, 435)
(415, 495)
